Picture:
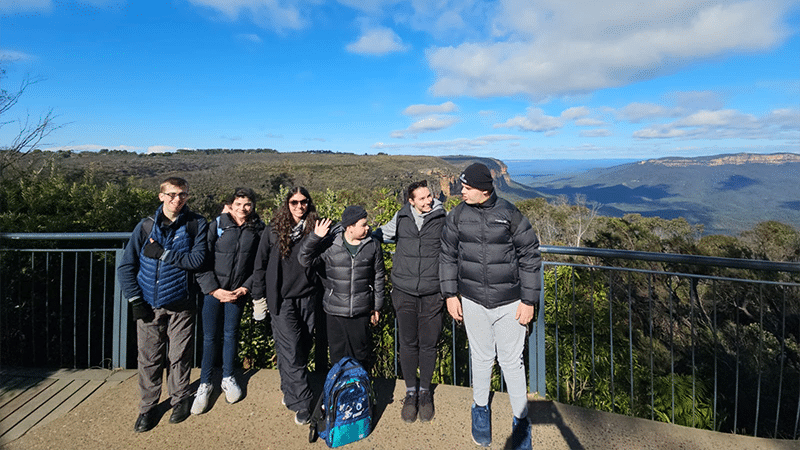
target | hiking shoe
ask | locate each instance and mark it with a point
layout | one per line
(201, 398)
(302, 417)
(426, 410)
(521, 434)
(409, 412)
(232, 390)
(481, 425)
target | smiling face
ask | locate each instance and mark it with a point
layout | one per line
(298, 206)
(241, 208)
(173, 199)
(422, 200)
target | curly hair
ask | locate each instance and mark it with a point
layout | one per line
(283, 222)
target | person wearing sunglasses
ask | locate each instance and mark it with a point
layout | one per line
(292, 293)
(226, 281)
(156, 276)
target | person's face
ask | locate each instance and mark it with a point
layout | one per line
(241, 208)
(473, 196)
(298, 206)
(173, 199)
(423, 200)
(358, 230)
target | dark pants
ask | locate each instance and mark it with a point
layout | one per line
(168, 327)
(224, 316)
(419, 325)
(293, 330)
(349, 336)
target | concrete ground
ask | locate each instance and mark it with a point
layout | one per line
(259, 421)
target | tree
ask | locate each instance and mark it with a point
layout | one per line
(31, 132)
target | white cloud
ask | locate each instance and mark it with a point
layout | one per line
(552, 47)
(426, 125)
(377, 41)
(779, 124)
(452, 145)
(254, 38)
(271, 14)
(421, 110)
(536, 120)
(600, 132)
(587, 122)
(161, 149)
(637, 112)
(14, 56)
(575, 113)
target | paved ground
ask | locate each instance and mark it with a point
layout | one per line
(105, 422)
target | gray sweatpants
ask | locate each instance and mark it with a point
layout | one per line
(496, 333)
(173, 328)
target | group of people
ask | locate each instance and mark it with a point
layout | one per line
(480, 261)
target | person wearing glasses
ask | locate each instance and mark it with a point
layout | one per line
(226, 281)
(292, 296)
(417, 231)
(156, 276)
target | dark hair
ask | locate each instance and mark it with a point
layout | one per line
(413, 187)
(241, 192)
(283, 222)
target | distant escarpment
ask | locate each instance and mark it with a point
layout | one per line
(721, 160)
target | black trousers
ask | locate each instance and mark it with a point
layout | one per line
(293, 331)
(350, 336)
(419, 326)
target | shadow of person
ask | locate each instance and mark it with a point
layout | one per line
(543, 412)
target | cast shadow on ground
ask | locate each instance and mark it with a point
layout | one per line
(542, 412)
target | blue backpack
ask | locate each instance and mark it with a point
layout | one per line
(344, 411)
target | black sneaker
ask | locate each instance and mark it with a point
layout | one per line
(409, 412)
(145, 422)
(302, 417)
(181, 411)
(426, 410)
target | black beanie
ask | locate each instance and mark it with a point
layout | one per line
(477, 176)
(352, 214)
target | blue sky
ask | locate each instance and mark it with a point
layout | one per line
(511, 79)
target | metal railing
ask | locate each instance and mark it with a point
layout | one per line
(699, 341)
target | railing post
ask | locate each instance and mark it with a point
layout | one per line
(119, 351)
(536, 349)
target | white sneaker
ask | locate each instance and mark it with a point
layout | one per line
(201, 398)
(232, 390)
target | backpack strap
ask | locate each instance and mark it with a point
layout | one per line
(147, 227)
(317, 419)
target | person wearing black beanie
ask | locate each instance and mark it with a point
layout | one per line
(478, 176)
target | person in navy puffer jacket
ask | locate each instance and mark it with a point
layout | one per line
(156, 276)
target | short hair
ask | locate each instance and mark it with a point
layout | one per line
(414, 186)
(174, 181)
(241, 192)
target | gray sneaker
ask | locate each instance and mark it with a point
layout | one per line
(425, 405)
(232, 390)
(200, 403)
(409, 411)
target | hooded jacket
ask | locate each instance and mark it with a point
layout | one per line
(490, 254)
(353, 284)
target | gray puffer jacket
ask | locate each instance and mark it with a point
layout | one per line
(490, 254)
(353, 284)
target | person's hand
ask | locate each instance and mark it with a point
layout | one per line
(153, 249)
(140, 309)
(260, 309)
(375, 317)
(226, 209)
(322, 227)
(223, 295)
(240, 291)
(454, 308)
(524, 313)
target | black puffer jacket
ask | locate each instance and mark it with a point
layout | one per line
(415, 268)
(353, 285)
(491, 255)
(231, 253)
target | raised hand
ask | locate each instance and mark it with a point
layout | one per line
(322, 227)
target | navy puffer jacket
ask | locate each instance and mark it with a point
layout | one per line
(491, 255)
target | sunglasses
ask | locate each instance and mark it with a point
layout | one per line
(303, 202)
(180, 195)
